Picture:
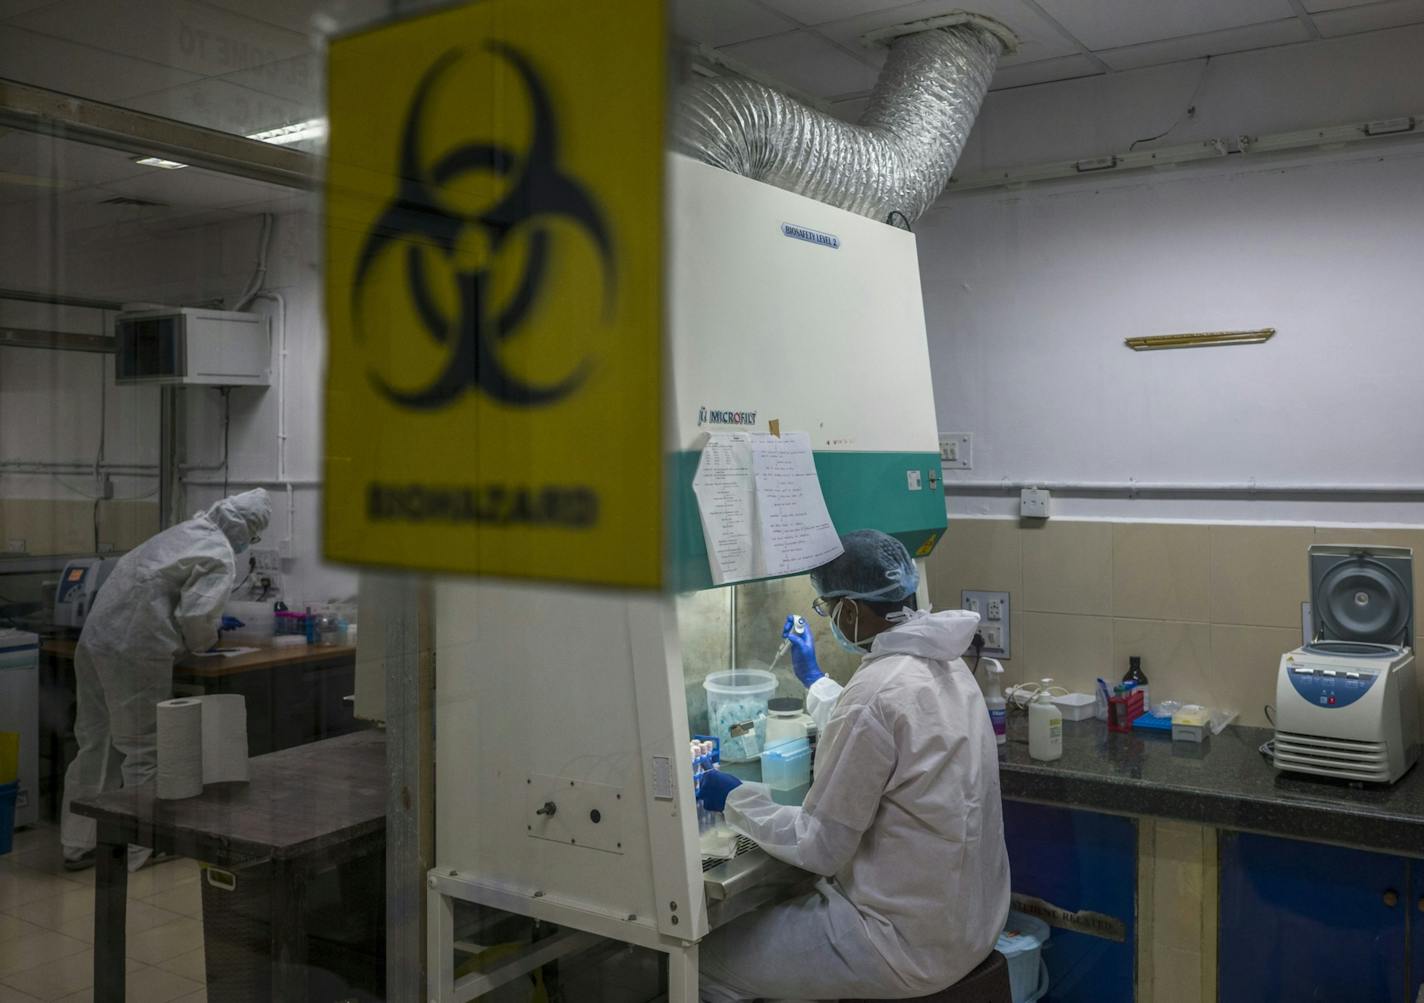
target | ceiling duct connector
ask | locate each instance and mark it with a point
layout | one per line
(895, 161)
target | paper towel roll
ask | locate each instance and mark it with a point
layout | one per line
(201, 740)
(224, 738)
(180, 748)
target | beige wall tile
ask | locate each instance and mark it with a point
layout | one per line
(126, 524)
(1161, 571)
(50, 527)
(1067, 568)
(1258, 574)
(975, 554)
(1073, 650)
(1176, 657)
(1245, 662)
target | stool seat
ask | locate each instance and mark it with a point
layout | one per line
(989, 983)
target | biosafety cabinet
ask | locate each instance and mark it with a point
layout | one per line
(563, 777)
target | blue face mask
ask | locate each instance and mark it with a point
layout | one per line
(839, 635)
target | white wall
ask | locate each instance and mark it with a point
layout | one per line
(181, 265)
(1030, 293)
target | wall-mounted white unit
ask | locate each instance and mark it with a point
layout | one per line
(182, 345)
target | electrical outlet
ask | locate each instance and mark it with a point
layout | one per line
(993, 609)
(14, 546)
(1033, 503)
(284, 549)
(956, 451)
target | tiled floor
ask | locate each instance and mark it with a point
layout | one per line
(47, 928)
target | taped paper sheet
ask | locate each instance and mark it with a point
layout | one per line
(763, 513)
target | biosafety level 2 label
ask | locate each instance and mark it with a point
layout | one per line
(494, 292)
(811, 236)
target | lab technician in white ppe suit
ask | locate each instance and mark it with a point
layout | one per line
(903, 820)
(163, 599)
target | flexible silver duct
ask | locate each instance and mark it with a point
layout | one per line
(897, 159)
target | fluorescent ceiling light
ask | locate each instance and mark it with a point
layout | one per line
(167, 165)
(312, 128)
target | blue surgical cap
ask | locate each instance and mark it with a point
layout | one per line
(875, 567)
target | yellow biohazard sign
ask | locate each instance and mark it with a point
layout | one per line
(494, 292)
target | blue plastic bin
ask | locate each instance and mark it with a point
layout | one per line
(1022, 944)
(8, 793)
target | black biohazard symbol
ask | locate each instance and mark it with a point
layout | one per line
(418, 221)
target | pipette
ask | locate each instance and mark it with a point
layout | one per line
(798, 626)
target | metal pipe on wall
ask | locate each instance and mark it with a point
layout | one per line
(1132, 488)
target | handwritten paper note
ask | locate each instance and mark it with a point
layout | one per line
(726, 496)
(762, 510)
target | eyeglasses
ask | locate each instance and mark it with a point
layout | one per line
(824, 606)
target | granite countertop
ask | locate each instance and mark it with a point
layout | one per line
(1224, 782)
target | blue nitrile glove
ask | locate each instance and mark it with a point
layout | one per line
(230, 623)
(713, 788)
(803, 652)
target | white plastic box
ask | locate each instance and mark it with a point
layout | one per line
(1075, 706)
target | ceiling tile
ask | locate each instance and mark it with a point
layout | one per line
(820, 11)
(69, 163)
(189, 36)
(191, 187)
(1109, 24)
(1256, 36)
(319, 16)
(1354, 20)
(849, 110)
(9, 8)
(219, 104)
(1314, 6)
(297, 79)
(807, 63)
(1045, 71)
(1038, 39)
(78, 69)
(725, 22)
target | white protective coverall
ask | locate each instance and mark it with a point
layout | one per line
(903, 822)
(164, 597)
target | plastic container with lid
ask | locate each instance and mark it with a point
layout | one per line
(737, 711)
(786, 771)
(786, 721)
(1021, 943)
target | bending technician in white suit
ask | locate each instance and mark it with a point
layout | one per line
(903, 819)
(164, 598)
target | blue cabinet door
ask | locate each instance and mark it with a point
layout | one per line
(1413, 905)
(1081, 862)
(1303, 921)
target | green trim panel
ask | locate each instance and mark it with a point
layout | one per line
(863, 491)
